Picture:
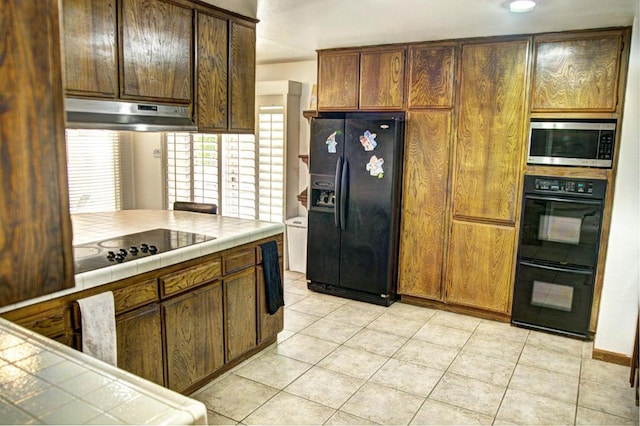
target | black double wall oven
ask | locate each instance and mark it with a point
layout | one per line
(561, 224)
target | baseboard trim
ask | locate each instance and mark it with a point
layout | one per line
(612, 357)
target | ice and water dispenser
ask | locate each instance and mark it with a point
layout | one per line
(323, 194)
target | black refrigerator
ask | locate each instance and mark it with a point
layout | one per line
(355, 165)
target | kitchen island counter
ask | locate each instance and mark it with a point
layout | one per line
(229, 232)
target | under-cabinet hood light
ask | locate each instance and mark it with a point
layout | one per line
(521, 6)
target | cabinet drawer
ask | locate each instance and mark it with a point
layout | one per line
(280, 250)
(48, 323)
(136, 295)
(190, 277)
(239, 260)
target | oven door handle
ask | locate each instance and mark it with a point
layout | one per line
(564, 200)
(557, 268)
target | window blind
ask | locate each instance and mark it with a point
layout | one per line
(93, 168)
(271, 163)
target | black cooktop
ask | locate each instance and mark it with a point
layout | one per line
(125, 248)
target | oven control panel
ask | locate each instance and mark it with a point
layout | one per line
(592, 188)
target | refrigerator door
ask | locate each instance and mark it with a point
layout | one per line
(372, 154)
(326, 145)
(323, 248)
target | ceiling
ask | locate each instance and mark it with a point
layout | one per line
(292, 30)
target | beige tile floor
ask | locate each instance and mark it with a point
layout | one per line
(342, 362)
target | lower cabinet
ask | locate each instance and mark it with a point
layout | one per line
(194, 335)
(240, 313)
(268, 325)
(140, 343)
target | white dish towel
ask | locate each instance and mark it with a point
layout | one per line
(98, 319)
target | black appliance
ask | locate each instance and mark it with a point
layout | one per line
(355, 165)
(572, 143)
(125, 248)
(560, 231)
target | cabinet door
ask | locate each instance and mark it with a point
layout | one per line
(382, 80)
(338, 74)
(89, 30)
(480, 267)
(431, 76)
(424, 203)
(268, 325)
(139, 336)
(490, 130)
(211, 75)
(579, 74)
(156, 50)
(194, 336)
(240, 313)
(36, 256)
(242, 78)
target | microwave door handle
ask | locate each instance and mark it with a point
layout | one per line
(557, 268)
(564, 200)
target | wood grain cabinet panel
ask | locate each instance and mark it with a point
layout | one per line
(35, 236)
(490, 130)
(190, 277)
(338, 75)
(212, 73)
(136, 295)
(579, 74)
(156, 59)
(268, 325)
(431, 76)
(242, 79)
(382, 80)
(480, 266)
(240, 313)
(139, 342)
(424, 203)
(90, 57)
(194, 336)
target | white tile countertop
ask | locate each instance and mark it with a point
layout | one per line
(229, 232)
(45, 382)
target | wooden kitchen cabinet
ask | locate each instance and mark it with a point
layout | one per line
(338, 78)
(490, 137)
(35, 237)
(268, 325)
(424, 203)
(156, 57)
(576, 72)
(90, 39)
(382, 79)
(212, 73)
(240, 313)
(139, 342)
(242, 78)
(194, 336)
(370, 79)
(480, 268)
(431, 76)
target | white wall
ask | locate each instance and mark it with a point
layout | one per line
(147, 171)
(620, 298)
(304, 72)
(248, 8)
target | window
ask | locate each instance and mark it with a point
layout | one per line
(223, 169)
(93, 167)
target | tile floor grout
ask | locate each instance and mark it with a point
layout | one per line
(447, 400)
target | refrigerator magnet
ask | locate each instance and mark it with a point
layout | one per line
(331, 143)
(368, 141)
(374, 167)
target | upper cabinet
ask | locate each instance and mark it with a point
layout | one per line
(90, 39)
(577, 72)
(242, 78)
(431, 76)
(368, 79)
(338, 74)
(156, 50)
(35, 236)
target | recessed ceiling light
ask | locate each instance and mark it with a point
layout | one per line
(520, 6)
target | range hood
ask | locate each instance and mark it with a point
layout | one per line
(119, 115)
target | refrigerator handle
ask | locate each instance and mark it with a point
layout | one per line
(336, 186)
(343, 195)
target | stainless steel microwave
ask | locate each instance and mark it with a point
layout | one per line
(563, 143)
